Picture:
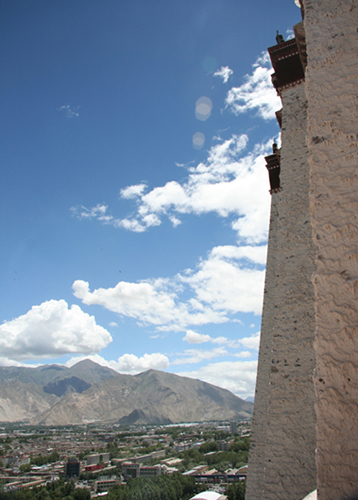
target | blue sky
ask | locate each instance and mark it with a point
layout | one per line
(134, 196)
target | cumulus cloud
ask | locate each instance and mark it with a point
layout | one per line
(252, 342)
(52, 329)
(256, 254)
(132, 191)
(228, 183)
(243, 354)
(256, 93)
(196, 338)
(149, 302)
(128, 363)
(224, 72)
(225, 283)
(238, 377)
(68, 111)
(191, 356)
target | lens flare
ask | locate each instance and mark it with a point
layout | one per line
(198, 140)
(203, 107)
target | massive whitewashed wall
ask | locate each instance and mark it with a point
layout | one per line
(255, 486)
(282, 458)
(305, 423)
(332, 90)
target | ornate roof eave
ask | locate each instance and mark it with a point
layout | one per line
(287, 59)
(279, 90)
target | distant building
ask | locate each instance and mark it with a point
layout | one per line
(104, 484)
(149, 456)
(98, 458)
(151, 471)
(134, 469)
(94, 467)
(72, 468)
(235, 475)
(182, 447)
(130, 469)
(233, 427)
(170, 462)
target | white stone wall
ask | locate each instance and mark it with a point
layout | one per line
(282, 460)
(332, 90)
(255, 486)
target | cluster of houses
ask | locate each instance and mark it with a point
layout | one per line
(72, 445)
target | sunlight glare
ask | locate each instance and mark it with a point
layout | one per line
(198, 140)
(203, 107)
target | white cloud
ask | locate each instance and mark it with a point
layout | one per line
(196, 338)
(69, 113)
(113, 324)
(128, 363)
(226, 285)
(192, 356)
(52, 329)
(243, 354)
(220, 286)
(256, 254)
(98, 212)
(252, 342)
(132, 191)
(149, 302)
(130, 224)
(290, 34)
(227, 184)
(238, 377)
(174, 220)
(12, 362)
(257, 93)
(224, 72)
(221, 341)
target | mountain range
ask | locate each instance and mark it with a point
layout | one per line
(88, 392)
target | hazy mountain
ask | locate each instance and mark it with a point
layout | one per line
(88, 392)
(57, 379)
(22, 402)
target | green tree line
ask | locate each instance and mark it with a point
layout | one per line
(57, 490)
(236, 456)
(166, 487)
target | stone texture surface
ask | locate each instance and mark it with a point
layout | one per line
(282, 458)
(255, 486)
(332, 90)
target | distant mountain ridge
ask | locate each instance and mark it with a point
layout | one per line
(86, 369)
(88, 392)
